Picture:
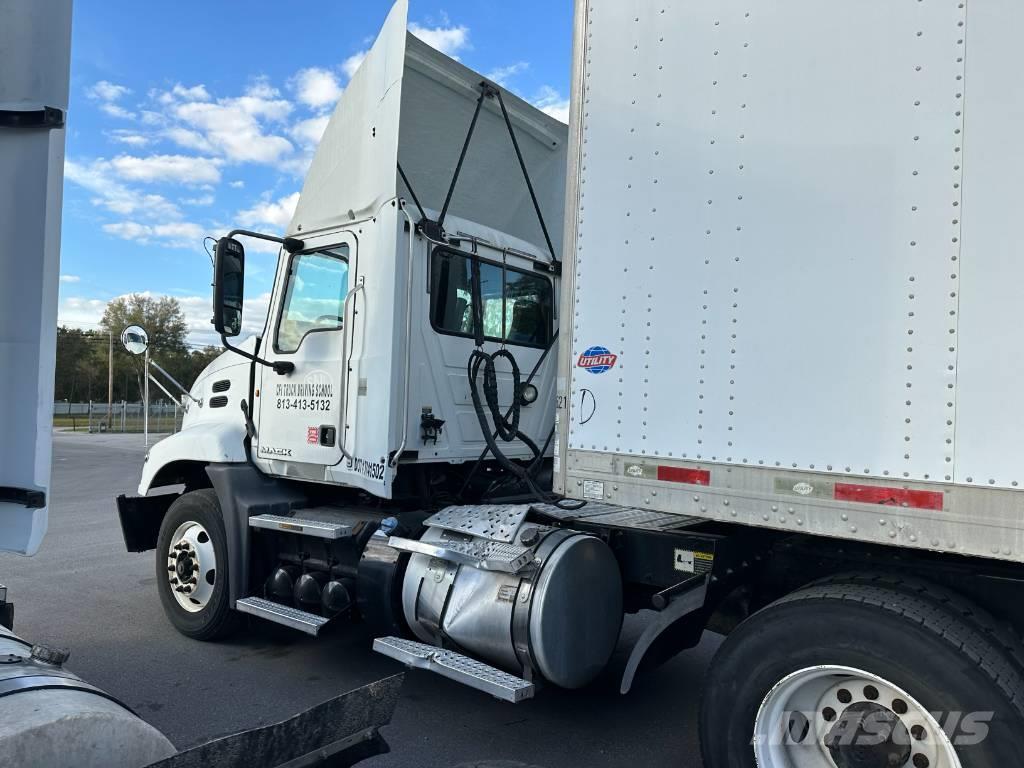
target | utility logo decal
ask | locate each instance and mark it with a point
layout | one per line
(312, 435)
(597, 360)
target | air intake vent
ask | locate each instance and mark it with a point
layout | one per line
(222, 386)
(218, 402)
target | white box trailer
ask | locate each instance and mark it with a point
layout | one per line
(794, 269)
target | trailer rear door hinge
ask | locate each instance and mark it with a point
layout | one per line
(27, 497)
(47, 117)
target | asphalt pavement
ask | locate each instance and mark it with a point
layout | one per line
(84, 591)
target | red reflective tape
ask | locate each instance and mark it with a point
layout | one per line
(893, 497)
(684, 475)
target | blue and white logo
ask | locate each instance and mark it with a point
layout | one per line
(597, 360)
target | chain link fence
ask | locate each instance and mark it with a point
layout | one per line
(164, 417)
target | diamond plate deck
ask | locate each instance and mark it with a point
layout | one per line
(498, 522)
(620, 517)
(455, 666)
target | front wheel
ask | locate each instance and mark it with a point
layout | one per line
(192, 567)
(866, 672)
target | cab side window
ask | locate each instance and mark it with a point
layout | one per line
(517, 305)
(314, 298)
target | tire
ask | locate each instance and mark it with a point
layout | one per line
(950, 659)
(209, 618)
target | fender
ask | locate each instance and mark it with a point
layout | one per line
(211, 442)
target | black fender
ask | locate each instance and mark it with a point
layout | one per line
(244, 491)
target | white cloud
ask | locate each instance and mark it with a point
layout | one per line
(270, 214)
(69, 278)
(444, 37)
(502, 75)
(232, 127)
(551, 102)
(183, 169)
(261, 88)
(201, 200)
(131, 138)
(107, 94)
(116, 110)
(149, 117)
(107, 91)
(177, 234)
(97, 177)
(79, 312)
(236, 184)
(351, 64)
(309, 132)
(147, 218)
(317, 88)
(194, 93)
(188, 139)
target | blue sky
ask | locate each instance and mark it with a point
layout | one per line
(188, 118)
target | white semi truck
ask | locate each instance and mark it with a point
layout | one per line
(785, 397)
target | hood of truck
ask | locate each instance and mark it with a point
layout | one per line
(409, 104)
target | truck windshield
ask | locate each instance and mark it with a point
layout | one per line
(314, 297)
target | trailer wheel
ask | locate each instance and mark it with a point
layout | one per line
(191, 567)
(864, 672)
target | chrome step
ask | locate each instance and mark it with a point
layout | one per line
(309, 623)
(477, 553)
(318, 528)
(455, 666)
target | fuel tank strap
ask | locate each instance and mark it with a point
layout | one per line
(26, 682)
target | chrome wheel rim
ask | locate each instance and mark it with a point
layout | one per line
(191, 566)
(835, 717)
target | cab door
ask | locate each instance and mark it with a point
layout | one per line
(299, 413)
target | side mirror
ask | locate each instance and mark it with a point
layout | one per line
(135, 339)
(228, 286)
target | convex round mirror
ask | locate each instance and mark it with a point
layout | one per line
(135, 339)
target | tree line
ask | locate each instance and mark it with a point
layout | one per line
(82, 355)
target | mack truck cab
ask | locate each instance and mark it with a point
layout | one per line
(334, 466)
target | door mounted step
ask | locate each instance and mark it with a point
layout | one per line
(309, 623)
(319, 528)
(455, 666)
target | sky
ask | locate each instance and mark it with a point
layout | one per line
(189, 118)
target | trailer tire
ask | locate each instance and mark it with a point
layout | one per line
(194, 524)
(904, 646)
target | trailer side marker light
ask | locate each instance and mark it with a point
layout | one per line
(893, 497)
(684, 475)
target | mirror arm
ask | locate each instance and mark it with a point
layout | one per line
(280, 366)
(174, 381)
(290, 244)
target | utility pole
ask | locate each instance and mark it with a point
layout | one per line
(110, 379)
